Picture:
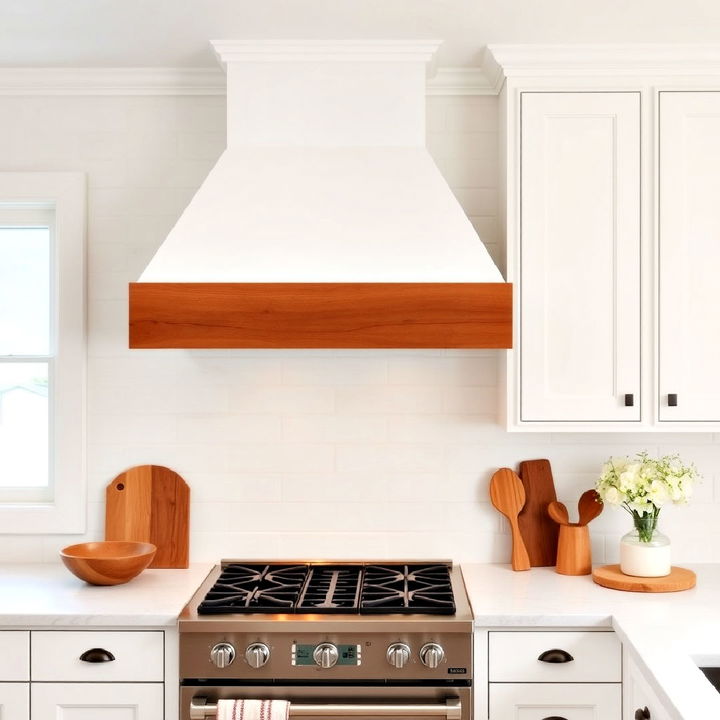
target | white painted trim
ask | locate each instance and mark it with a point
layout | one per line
(112, 81)
(188, 81)
(228, 51)
(66, 191)
(608, 60)
(460, 81)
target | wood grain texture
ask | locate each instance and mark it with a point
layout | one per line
(107, 563)
(539, 532)
(151, 503)
(320, 315)
(573, 553)
(508, 497)
(589, 506)
(610, 576)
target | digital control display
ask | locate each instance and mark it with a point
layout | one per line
(347, 655)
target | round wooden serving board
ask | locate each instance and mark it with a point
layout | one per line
(610, 576)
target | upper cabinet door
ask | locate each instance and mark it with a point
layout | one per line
(689, 257)
(580, 257)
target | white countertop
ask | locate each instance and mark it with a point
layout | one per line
(668, 631)
(45, 595)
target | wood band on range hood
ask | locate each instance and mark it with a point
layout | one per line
(320, 315)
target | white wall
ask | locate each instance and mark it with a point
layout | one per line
(300, 453)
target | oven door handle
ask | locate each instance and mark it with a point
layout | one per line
(451, 709)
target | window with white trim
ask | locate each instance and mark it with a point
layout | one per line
(42, 352)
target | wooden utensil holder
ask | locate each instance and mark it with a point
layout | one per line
(574, 556)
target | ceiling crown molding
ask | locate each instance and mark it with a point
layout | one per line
(461, 81)
(112, 81)
(183, 81)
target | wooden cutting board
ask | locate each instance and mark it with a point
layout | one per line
(610, 576)
(539, 531)
(150, 503)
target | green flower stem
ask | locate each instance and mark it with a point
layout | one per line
(645, 524)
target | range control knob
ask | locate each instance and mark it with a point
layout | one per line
(222, 655)
(398, 654)
(431, 655)
(257, 654)
(325, 655)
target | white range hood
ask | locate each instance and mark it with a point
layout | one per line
(325, 179)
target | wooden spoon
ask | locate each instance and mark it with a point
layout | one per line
(589, 506)
(558, 512)
(508, 496)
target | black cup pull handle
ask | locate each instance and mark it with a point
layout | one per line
(554, 717)
(97, 655)
(642, 714)
(555, 656)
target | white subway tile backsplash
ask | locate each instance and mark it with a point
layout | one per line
(389, 452)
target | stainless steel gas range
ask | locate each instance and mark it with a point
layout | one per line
(336, 639)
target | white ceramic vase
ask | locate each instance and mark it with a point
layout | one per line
(645, 551)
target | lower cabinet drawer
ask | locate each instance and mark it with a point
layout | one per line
(14, 655)
(97, 701)
(555, 701)
(90, 656)
(566, 656)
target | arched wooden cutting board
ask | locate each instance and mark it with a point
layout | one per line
(150, 503)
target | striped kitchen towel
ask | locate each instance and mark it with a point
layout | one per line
(253, 710)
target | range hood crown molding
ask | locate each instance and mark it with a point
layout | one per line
(415, 51)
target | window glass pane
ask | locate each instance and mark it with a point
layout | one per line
(23, 424)
(24, 291)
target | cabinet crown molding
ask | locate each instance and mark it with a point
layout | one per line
(509, 61)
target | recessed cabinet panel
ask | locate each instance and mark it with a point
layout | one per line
(541, 701)
(689, 247)
(97, 701)
(580, 257)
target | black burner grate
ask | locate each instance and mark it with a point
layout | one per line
(423, 589)
(255, 589)
(352, 588)
(331, 589)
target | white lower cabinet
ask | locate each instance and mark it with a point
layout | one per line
(14, 701)
(641, 702)
(555, 701)
(554, 675)
(96, 701)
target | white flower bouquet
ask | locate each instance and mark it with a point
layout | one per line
(642, 485)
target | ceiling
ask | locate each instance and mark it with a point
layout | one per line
(115, 33)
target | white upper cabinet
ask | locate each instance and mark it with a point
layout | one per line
(580, 257)
(610, 205)
(689, 257)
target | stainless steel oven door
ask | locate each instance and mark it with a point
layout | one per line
(199, 702)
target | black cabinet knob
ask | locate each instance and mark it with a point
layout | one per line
(642, 714)
(97, 655)
(629, 399)
(672, 400)
(555, 656)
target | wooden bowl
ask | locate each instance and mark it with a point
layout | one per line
(111, 562)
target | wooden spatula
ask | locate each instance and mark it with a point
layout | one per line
(558, 512)
(508, 496)
(589, 506)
